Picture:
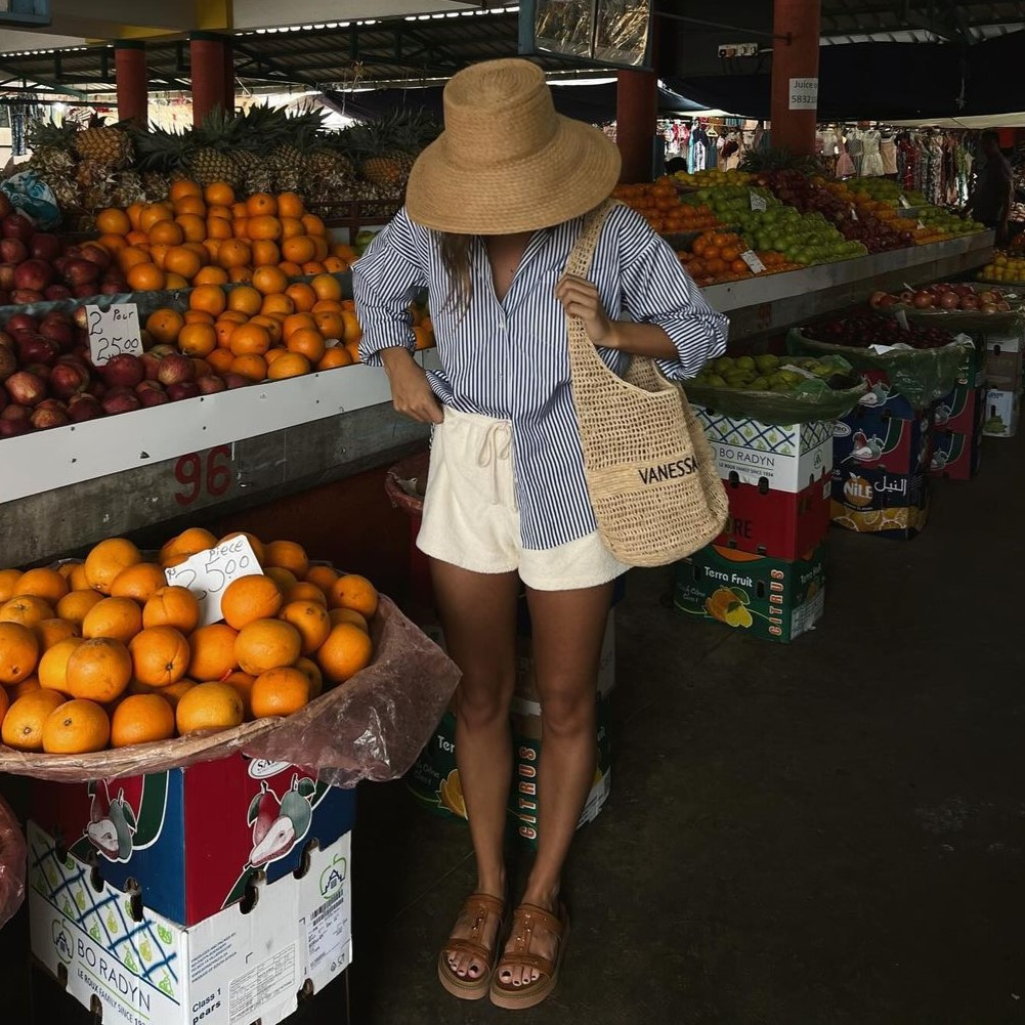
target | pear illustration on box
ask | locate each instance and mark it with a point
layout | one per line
(866, 449)
(112, 824)
(280, 823)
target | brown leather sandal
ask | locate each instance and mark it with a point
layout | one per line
(477, 907)
(526, 918)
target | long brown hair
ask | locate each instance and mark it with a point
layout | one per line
(455, 258)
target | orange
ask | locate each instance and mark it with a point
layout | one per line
(138, 239)
(193, 226)
(52, 631)
(313, 674)
(47, 584)
(224, 329)
(272, 324)
(23, 723)
(211, 276)
(113, 222)
(297, 322)
(247, 338)
(99, 669)
(242, 684)
(267, 644)
(172, 606)
(213, 652)
(279, 692)
(166, 233)
(19, 652)
(190, 206)
(291, 364)
(197, 340)
(153, 214)
(247, 599)
(146, 277)
(291, 227)
(140, 582)
(265, 253)
(210, 247)
(53, 666)
(142, 719)
(276, 304)
(313, 225)
(260, 204)
(354, 592)
(176, 283)
(222, 211)
(19, 690)
(160, 655)
(219, 193)
(209, 706)
(77, 578)
(240, 275)
(172, 694)
(245, 300)
(304, 591)
(250, 365)
(264, 228)
(311, 267)
(311, 620)
(284, 578)
(298, 249)
(234, 252)
(158, 255)
(274, 354)
(107, 559)
(65, 569)
(353, 330)
(75, 604)
(335, 265)
(323, 248)
(335, 357)
(290, 205)
(290, 269)
(188, 542)
(352, 348)
(5, 702)
(330, 324)
(346, 651)
(349, 616)
(26, 610)
(220, 360)
(135, 214)
(75, 728)
(254, 542)
(322, 576)
(182, 261)
(424, 338)
(269, 281)
(132, 257)
(183, 189)
(302, 295)
(238, 211)
(164, 325)
(119, 618)
(240, 228)
(308, 342)
(219, 228)
(208, 299)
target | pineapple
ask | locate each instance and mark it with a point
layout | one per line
(127, 188)
(388, 149)
(109, 146)
(210, 159)
(53, 159)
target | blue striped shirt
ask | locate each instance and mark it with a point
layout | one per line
(510, 360)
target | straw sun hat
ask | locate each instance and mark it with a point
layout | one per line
(506, 161)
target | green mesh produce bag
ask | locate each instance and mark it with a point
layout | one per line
(921, 375)
(808, 401)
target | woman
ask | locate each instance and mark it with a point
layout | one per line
(493, 209)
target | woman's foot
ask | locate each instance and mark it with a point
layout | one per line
(466, 962)
(528, 969)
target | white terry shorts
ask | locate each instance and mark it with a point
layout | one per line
(470, 517)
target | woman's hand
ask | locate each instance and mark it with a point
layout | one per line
(580, 299)
(411, 391)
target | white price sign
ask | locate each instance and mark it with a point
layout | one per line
(113, 332)
(758, 202)
(207, 574)
(804, 93)
(751, 259)
(903, 200)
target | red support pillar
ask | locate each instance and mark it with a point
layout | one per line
(132, 83)
(229, 76)
(636, 123)
(795, 66)
(209, 81)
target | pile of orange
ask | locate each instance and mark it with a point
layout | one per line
(103, 653)
(207, 237)
(661, 206)
(715, 258)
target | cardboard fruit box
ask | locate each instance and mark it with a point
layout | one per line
(870, 501)
(189, 842)
(957, 456)
(1000, 418)
(774, 599)
(877, 439)
(246, 963)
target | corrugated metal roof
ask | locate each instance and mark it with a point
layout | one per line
(918, 20)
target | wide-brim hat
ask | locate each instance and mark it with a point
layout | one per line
(506, 161)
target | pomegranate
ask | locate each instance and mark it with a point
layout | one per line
(26, 388)
(84, 407)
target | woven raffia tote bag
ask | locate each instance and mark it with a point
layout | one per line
(650, 473)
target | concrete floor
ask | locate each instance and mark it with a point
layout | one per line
(829, 833)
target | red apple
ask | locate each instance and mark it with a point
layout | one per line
(123, 371)
(37, 349)
(17, 226)
(233, 380)
(8, 362)
(16, 412)
(95, 253)
(85, 291)
(45, 246)
(182, 390)
(67, 379)
(25, 388)
(13, 250)
(13, 428)
(6, 340)
(5, 206)
(81, 272)
(57, 293)
(120, 400)
(210, 384)
(151, 365)
(84, 407)
(58, 328)
(81, 318)
(175, 369)
(151, 393)
(46, 417)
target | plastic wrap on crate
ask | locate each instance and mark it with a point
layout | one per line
(371, 727)
(965, 321)
(921, 375)
(12, 864)
(808, 402)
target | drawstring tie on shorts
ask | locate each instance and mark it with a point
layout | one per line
(495, 447)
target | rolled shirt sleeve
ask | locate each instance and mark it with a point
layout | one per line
(657, 290)
(385, 280)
